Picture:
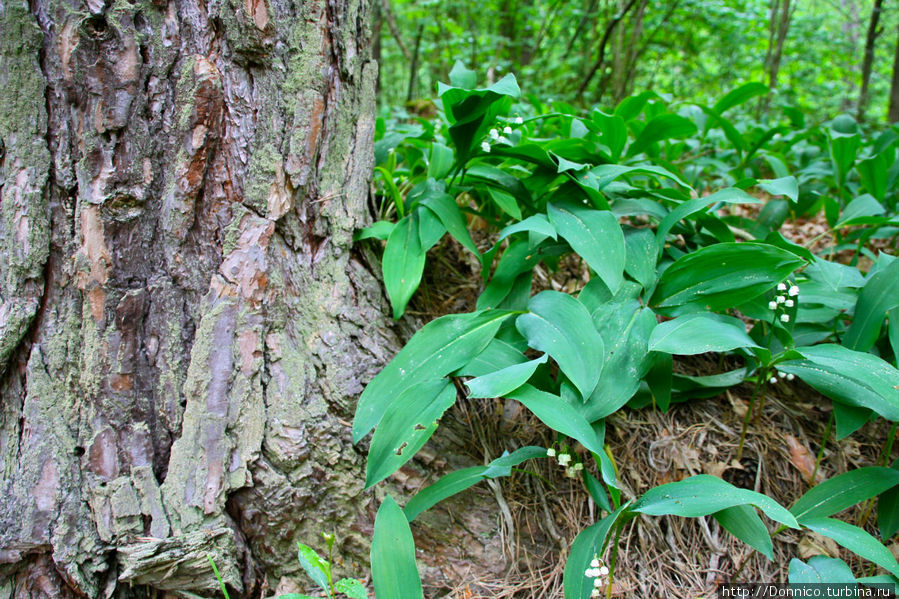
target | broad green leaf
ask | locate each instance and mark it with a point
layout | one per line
(497, 355)
(660, 379)
(662, 127)
(594, 488)
(352, 588)
(518, 259)
(393, 568)
(699, 333)
(594, 294)
(439, 348)
(738, 96)
(784, 186)
(430, 229)
(848, 419)
(502, 381)
(856, 540)
(630, 107)
(446, 209)
(440, 162)
(821, 570)
(724, 275)
(606, 173)
(555, 413)
(874, 175)
(614, 132)
(462, 76)
(595, 235)
(589, 542)
(532, 224)
(408, 423)
(403, 263)
(458, 481)
(318, 569)
(506, 202)
(379, 230)
(729, 195)
(702, 495)
(878, 296)
(835, 275)
(561, 326)
(856, 378)
(625, 327)
(640, 256)
(859, 208)
(843, 491)
(888, 510)
(743, 522)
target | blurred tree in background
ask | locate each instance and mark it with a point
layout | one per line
(823, 56)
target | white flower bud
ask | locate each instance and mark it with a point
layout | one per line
(794, 291)
(594, 563)
(781, 287)
(791, 376)
(603, 571)
(781, 299)
(597, 583)
(519, 120)
(564, 458)
(789, 303)
(772, 305)
(507, 130)
(578, 467)
(494, 134)
(589, 573)
(773, 380)
(550, 453)
(595, 593)
(785, 318)
(485, 146)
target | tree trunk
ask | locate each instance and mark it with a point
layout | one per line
(873, 33)
(893, 115)
(183, 325)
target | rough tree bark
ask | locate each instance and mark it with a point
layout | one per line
(183, 326)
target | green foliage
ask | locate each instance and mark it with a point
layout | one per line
(645, 200)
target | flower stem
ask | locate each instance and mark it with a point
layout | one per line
(612, 561)
(821, 449)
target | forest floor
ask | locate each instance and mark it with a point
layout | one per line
(532, 516)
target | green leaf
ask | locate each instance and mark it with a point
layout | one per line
(393, 568)
(785, 186)
(743, 522)
(626, 327)
(843, 491)
(561, 326)
(379, 230)
(821, 570)
(430, 229)
(738, 96)
(606, 173)
(352, 588)
(439, 348)
(315, 566)
(519, 258)
(555, 413)
(877, 297)
(462, 76)
(500, 382)
(403, 263)
(874, 175)
(440, 161)
(724, 275)
(702, 495)
(888, 510)
(589, 542)
(594, 488)
(446, 209)
(856, 378)
(497, 355)
(662, 127)
(506, 202)
(595, 235)
(533, 224)
(729, 195)
(699, 333)
(859, 208)
(640, 257)
(835, 275)
(408, 423)
(458, 481)
(856, 540)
